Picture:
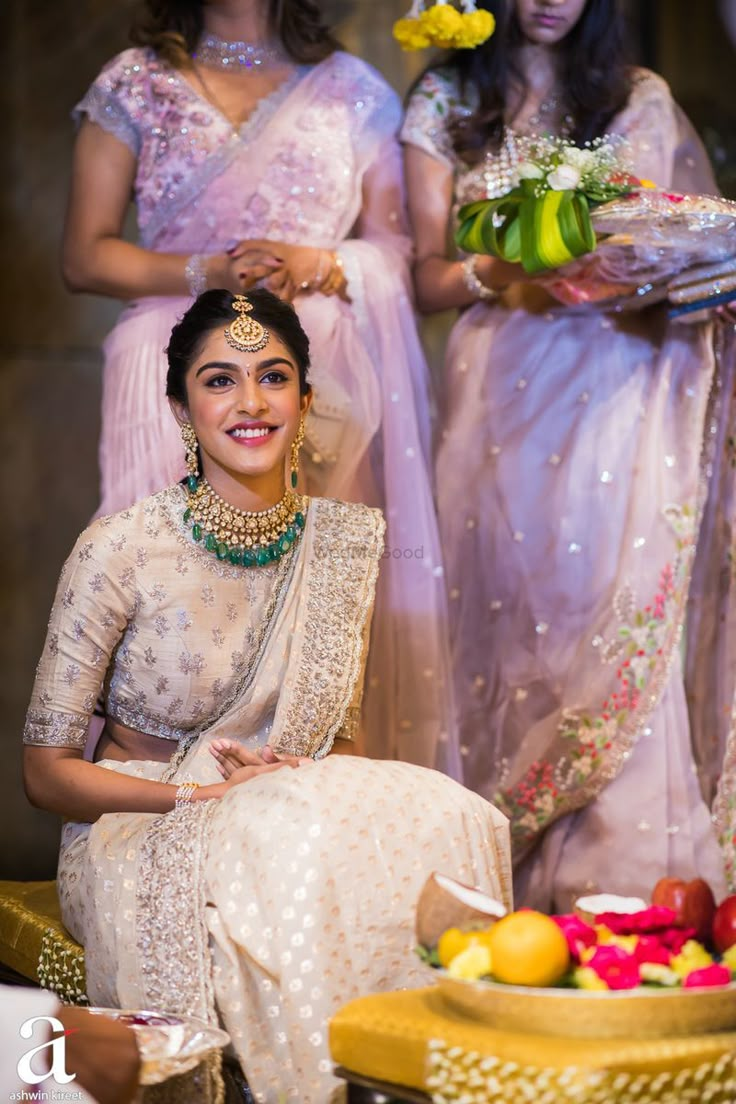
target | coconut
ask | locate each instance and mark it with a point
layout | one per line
(587, 908)
(445, 903)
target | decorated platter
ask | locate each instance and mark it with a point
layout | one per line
(168, 1045)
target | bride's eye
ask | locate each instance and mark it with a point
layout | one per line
(218, 381)
(274, 376)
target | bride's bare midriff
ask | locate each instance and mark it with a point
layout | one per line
(121, 743)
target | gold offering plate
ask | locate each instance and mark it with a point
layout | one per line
(626, 1013)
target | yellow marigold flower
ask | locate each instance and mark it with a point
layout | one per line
(586, 978)
(443, 24)
(625, 942)
(647, 183)
(693, 956)
(410, 34)
(471, 964)
(478, 27)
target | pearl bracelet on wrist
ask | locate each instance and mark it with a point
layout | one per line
(185, 794)
(474, 285)
(195, 273)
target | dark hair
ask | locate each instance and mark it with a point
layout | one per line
(595, 76)
(212, 311)
(173, 27)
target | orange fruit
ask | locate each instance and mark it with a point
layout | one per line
(527, 948)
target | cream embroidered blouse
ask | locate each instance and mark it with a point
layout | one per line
(158, 627)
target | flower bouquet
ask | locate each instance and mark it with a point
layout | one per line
(614, 967)
(544, 221)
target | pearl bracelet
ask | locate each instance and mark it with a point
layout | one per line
(195, 273)
(473, 284)
(185, 794)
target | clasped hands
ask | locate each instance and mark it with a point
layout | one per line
(286, 270)
(237, 764)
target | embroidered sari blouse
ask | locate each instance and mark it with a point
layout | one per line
(163, 630)
(194, 178)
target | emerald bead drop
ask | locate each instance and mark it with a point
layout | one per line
(197, 531)
(235, 557)
(290, 534)
(294, 479)
(262, 557)
(187, 515)
(192, 483)
(284, 543)
(210, 542)
(223, 551)
(249, 558)
(299, 519)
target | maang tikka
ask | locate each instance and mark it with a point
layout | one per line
(244, 333)
(296, 444)
(191, 444)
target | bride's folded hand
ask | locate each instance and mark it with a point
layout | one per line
(232, 757)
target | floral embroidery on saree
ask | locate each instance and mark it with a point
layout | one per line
(595, 744)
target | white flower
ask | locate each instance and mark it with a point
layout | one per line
(527, 170)
(564, 177)
(582, 159)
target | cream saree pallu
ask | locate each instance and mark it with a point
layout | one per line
(294, 893)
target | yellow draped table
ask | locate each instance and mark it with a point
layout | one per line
(34, 942)
(414, 1041)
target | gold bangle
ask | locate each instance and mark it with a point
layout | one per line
(185, 794)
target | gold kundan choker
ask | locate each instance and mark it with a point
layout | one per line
(243, 537)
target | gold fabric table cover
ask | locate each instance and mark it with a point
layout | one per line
(413, 1039)
(35, 943)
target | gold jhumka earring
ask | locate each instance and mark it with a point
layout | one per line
(296, 444)
(191, 444)
(244, 333)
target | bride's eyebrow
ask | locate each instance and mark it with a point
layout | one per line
(229, 366)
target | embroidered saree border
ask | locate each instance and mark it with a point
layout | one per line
(327, 649)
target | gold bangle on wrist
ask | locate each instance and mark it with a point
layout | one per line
(185, 794)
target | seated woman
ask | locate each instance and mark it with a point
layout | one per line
(226, 620)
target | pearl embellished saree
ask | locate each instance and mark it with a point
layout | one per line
(268, 909)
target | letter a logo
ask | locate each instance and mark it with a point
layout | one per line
(58, 1052)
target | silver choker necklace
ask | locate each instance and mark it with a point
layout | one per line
(219, 54)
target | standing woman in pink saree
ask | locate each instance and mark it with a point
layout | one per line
(570, 478)
(258, 152)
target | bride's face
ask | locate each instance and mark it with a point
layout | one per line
(244, 407)
(547, 22)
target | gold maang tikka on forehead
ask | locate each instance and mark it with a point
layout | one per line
(244, 333)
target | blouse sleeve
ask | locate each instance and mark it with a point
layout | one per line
(431, 107)
(88, 618)
(116, 98)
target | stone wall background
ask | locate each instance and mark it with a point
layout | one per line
(50, 341)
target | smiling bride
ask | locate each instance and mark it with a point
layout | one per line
(216, 860)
